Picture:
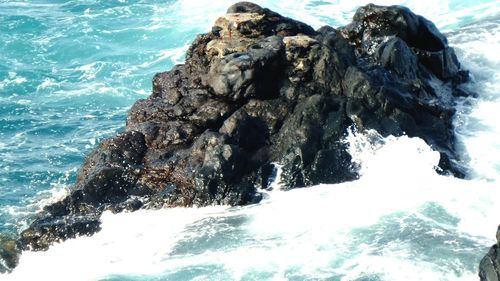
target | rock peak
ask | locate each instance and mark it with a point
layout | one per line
(246, 7)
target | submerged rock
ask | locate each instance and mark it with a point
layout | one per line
(259, 89)
(489, 268)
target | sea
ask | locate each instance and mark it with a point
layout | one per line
(71, 69)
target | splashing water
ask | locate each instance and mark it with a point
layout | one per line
(398, 222)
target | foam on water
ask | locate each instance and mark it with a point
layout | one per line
(478, 124)
(399, 221)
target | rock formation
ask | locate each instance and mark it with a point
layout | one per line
(259, 89)
(489, 268)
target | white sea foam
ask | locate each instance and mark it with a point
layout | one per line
(47, 83)
(477, 121)
(23, 102)
(175, 56)
(89, 71)
(12, 81)
(143, 251)
(301, 230)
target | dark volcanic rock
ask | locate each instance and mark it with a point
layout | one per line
(9, 253)
(259, 89)
(489, 268)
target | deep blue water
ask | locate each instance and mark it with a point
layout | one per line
(70, 70)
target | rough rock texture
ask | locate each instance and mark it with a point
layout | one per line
(9, 252)
(489, 268)
(262, 88)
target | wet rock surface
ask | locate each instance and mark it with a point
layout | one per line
(9, 252)
(259, 89)
(489, 268)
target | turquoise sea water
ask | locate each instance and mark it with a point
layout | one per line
(70, 70)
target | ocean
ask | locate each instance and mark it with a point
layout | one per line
(69, 72)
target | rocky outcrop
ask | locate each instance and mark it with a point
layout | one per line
(259, 89)
(9, 252)
(489, 268)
